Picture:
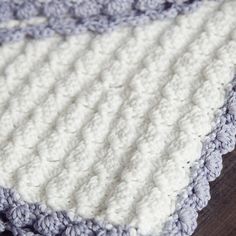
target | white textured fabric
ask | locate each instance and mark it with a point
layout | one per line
(107, 126)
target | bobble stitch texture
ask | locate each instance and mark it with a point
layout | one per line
(182, 222)
(27, 10)
(37, 218)
(92, 15)
(222, 140)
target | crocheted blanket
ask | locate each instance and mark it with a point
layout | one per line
(114, 114)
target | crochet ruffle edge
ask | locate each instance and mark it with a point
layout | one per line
(65, 17)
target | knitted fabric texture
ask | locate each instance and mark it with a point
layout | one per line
(117, 133)
(66, 17)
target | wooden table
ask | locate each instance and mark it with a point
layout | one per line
(219, 217)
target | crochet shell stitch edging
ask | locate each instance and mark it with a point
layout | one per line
(67, 18)
(196, 196)
(22, 218)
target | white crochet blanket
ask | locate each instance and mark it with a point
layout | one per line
(106, 127)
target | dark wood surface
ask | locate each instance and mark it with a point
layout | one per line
(219, 217)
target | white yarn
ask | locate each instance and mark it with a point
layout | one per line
(107, 126)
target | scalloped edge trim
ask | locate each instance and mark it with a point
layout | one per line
(22, 218)
(28, 219)
(60, 19)
(195, 197)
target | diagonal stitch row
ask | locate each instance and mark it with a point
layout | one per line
(21, 217)
(196, 196)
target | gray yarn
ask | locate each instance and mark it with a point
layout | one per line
(22, 218)
(65, 17)
(196, 196)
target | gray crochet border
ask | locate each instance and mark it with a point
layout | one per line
(65, 17)
(195, 197)
(22, 218)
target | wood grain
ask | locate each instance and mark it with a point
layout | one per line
(219, 217)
